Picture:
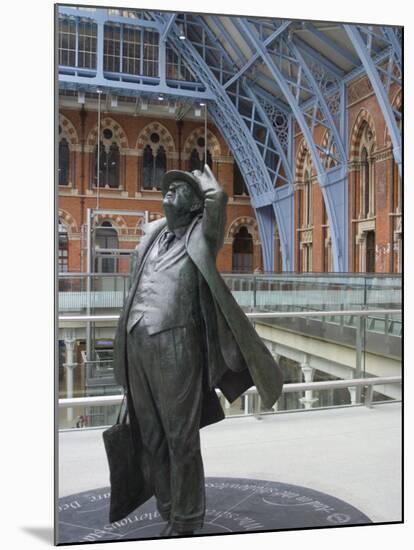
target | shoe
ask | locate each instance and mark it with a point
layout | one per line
(168, 531)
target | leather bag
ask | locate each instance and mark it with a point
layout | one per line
(129, 486)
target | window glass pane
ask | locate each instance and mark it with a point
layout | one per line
(151, 53)
(64, 155)
(131, 50)
(87, 45)
(147, 164)
(67, 41)
(112, 48)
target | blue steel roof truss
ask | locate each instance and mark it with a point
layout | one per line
(268, 147)
(298, 77)
(236, 130)
(381, 71)
(94, 78)
(258, 125)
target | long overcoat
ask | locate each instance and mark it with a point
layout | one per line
(235, 356)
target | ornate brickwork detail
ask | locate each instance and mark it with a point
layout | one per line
(359, 89)
(118, 134)
(398, 225)
(383, 154)
(306, 236)
(165, 138)
(69, 222)
(363, 120)
(328, 154)
(117, 222)
(213, 143)
(396, 104)
(303, 159)
(246, 221)
(155, 216)
(68, 131)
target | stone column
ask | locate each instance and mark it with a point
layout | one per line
(353, 393)
(308, 373)
(70, 365)
(361, 241)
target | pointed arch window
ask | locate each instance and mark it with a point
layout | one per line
(160, 166)
(64, 156)
(113, 166)
(147, 167)
(109, 165)
(154, 163)
(365, 182)
(243, 251)
(197, 156)
(195, 162)
(365, 187)
(307, 200)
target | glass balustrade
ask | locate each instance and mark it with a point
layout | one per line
(319, 328)
(275, 292)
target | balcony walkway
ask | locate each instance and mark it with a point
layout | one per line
(353, 454)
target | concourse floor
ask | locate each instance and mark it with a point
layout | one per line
(353, 454)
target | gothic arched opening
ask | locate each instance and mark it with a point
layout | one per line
(242, 251)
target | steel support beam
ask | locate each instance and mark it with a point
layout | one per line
(168, 27)
(281, 199)
(380, 92)
(256, 56)
(390, 33)
(244, 148)
(284, 208)
(333, 182)
(265, 222)
(129, 88)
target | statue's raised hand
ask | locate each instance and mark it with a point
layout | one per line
(206, 179)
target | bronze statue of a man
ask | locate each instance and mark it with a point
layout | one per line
(181, 335)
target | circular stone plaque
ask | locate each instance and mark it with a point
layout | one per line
(233, 505)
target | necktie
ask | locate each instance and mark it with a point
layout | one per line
(165, 242)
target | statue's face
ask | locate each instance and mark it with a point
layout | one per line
(179, 198)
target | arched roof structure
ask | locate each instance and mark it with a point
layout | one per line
(263, 80)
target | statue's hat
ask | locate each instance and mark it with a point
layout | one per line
(180, 175)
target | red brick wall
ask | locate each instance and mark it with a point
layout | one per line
(131, 197)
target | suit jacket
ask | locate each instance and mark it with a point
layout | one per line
(236, 358)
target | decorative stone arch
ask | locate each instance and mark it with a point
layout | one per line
(155, 216)
(213, 143)
(303, 160)
(118, 223)
(246, 221)
(166, 139)
(138, 231)
(327, 160)
(69, 221)
(68, 131)
(396, 103)
(363, 120)
(118, 135)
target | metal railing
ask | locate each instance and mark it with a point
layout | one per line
(254, 315)
(368, 383)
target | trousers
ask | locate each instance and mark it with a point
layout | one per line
(165, 377)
